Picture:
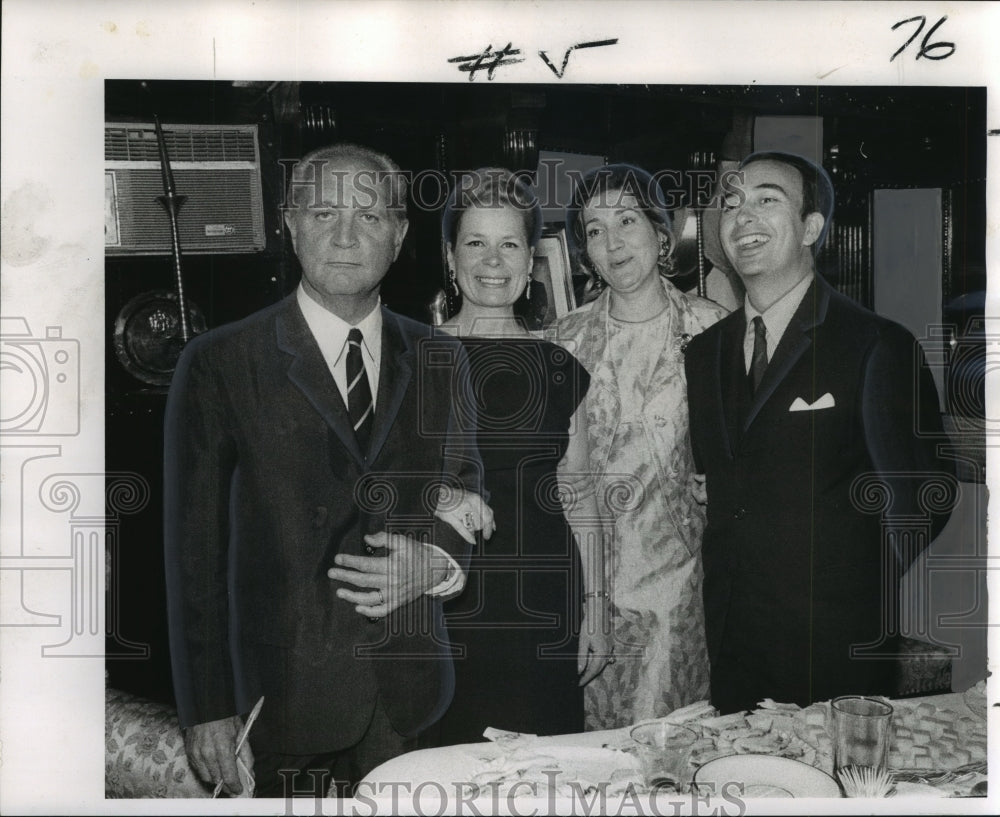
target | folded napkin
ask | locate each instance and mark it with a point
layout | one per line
(507, 740)
(691, 712)
(769, 704)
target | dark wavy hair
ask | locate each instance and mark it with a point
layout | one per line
(491, 187)
(817, 189)
(610, 183)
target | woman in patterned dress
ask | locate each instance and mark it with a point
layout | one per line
(631, 340)
(518, 621)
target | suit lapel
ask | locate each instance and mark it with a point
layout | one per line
(395, 371)
(794, 343)
(309, 373)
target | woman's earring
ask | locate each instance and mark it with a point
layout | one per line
(527, 289)
(453, 280)
(663, 259)
(597, 283)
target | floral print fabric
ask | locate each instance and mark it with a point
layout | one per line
(640, 452)
(144, 751)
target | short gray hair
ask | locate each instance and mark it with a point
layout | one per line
(387, 171)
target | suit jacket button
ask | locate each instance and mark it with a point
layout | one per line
(369, 550)
(739, 513)
(319, 520)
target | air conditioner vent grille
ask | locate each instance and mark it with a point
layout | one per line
(208, 221)
(191, 143)
(216, 168)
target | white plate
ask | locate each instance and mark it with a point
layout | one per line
(487, 764)
(766, 776)
(447, 763)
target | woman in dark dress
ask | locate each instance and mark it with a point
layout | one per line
(521, 661)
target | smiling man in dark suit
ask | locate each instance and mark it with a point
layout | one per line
(304, 559)
(803, 420)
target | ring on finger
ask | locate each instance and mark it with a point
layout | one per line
(381, 598)
(469, 521)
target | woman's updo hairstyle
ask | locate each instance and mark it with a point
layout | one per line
(609, 184)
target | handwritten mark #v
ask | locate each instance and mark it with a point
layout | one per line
(489, 60)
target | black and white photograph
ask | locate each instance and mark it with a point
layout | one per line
(471, 412)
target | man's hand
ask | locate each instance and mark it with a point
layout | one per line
(699, 489)
(407, 571)
(211, 752)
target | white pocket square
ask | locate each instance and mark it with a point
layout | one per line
(824, 402)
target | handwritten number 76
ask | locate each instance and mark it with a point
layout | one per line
(925, 47)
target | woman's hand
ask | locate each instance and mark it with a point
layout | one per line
(466, 512)
(699, 489)
(596, 648)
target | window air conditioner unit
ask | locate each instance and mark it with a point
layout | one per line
(217, 167)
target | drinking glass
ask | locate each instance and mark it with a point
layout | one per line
(861, 733)
(665, 753)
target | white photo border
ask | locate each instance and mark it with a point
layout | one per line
(56, 56)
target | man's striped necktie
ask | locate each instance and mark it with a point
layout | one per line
(359, 392)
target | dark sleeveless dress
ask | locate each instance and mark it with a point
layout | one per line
(518, 618)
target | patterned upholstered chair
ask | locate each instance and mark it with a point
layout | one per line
(144, 750)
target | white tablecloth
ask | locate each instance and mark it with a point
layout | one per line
(940, 733)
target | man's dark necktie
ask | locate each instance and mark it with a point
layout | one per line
(758, 362)
(359, 392)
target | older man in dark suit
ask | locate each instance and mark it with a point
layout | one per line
(803, 412)
(305, 561)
